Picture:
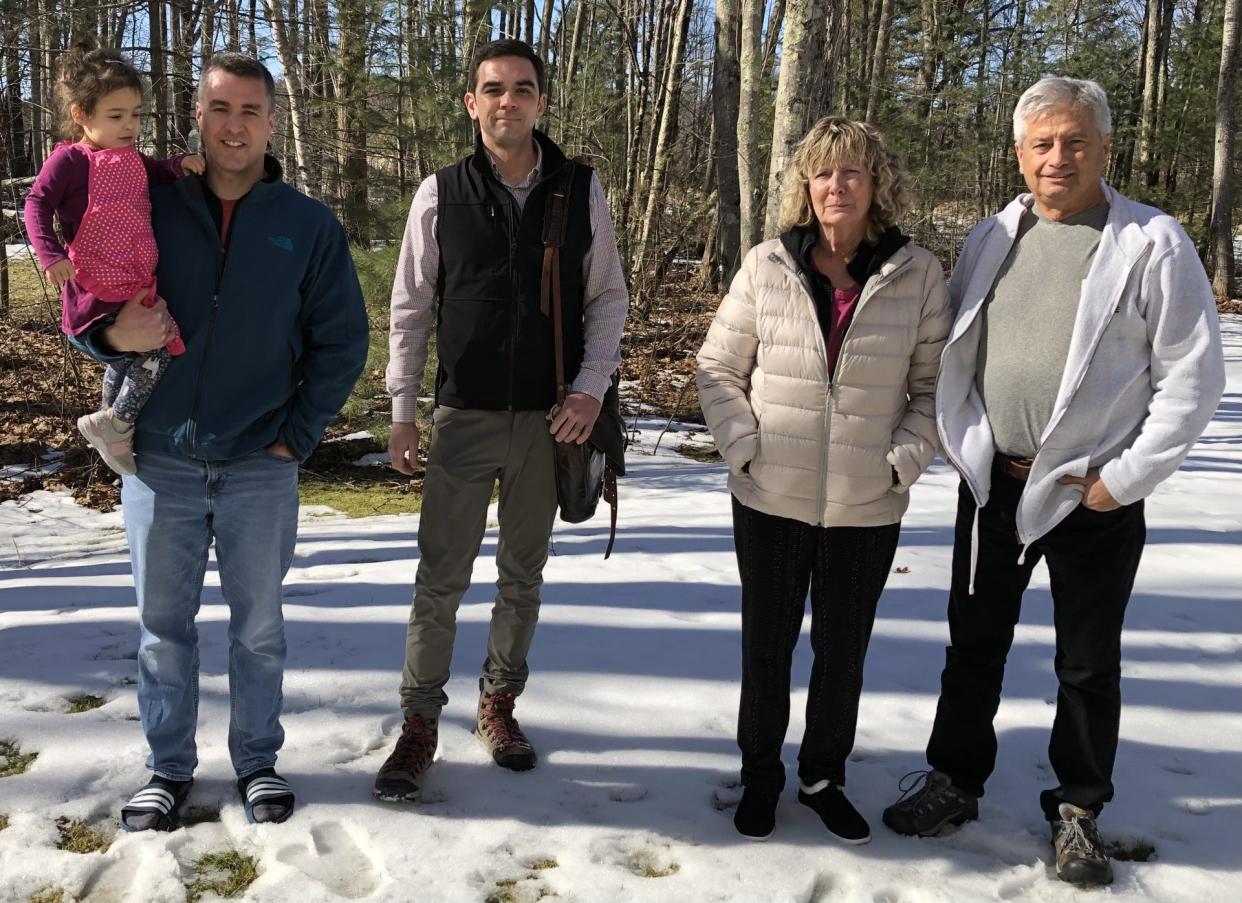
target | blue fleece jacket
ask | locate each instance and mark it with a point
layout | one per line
(275, 327)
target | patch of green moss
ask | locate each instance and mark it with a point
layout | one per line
(226, 874)
(83, 703)
(51, 895)
(12, 760)
(360, 500)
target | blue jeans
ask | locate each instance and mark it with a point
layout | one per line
(173, 509)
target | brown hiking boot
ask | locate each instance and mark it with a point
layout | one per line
(1082, 858)
(400, 777)
(499, 733)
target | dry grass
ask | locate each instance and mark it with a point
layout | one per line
(12, 760)
(79, 837)
(226, 874)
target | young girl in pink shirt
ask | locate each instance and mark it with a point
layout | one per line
(95, 185)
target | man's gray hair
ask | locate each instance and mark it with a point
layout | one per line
(1053, 91)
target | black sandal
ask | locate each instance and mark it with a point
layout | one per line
(155, 807)
(266, 797)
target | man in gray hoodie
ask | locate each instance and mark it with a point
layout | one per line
(1084, 362)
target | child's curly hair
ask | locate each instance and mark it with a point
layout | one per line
(87, 75)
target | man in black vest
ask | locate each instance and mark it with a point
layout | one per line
(471, 264)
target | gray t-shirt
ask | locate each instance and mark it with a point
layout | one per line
(1028, 320)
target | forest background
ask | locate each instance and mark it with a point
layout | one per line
(688, 109)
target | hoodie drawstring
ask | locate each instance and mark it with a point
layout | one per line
(974, 550)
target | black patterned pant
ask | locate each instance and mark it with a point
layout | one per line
(128, 384)
(846, 569)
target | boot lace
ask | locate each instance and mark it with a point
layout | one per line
(1080, 836)
(415, 746)
(925, 796)
(497, 721)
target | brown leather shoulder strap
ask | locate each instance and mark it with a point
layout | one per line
(555, 219)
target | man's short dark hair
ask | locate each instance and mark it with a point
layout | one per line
(507, 47)
(242, 65)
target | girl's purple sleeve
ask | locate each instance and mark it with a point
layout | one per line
(41, 205)
(163, 172)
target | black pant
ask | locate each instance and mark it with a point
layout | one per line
(1092, 558)
(846, 568)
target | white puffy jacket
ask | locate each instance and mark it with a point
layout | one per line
(804, 446)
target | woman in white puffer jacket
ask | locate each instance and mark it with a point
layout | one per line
(817, 380)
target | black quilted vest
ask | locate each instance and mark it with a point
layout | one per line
(494, 344)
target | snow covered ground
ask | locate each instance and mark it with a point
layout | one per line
(632, 704)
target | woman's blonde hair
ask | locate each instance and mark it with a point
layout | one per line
(833, 141)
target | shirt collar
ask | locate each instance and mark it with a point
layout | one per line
(531, 177)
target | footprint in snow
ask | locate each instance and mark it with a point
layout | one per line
(294, 592)
(726, 795)
(131, 872)
(347, 748)
(1018, 885)
(1176, 768)
(334, 860)
(627, 793)
(117, 652)
(1198, 807)
(645, 857)
(825, 888)
(329, 573)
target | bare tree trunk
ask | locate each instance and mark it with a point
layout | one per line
(545, 30)
(476, 28)
(159, 85)
(207, 44)
(1152, 63)
(829, 34)
(185, 29)
(16, 160)
(982, 144)
(1221, 228)
(284, 36)
(353, 29)
(800, 57)
(750, 173)
(929, 25)
(726, 98)
(38, 77)
(669, 89)
(772, 34)
(879, 59)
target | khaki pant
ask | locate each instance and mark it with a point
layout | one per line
(470, 450)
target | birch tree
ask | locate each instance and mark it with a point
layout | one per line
(749, 163)
(1222, 168)
(801, 55)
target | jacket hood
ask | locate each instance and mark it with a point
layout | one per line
(800, 240)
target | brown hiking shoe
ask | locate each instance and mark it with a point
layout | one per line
(400, 777)
(499, 733)
(1082, 858)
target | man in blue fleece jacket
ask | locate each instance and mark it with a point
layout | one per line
(260, 280)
